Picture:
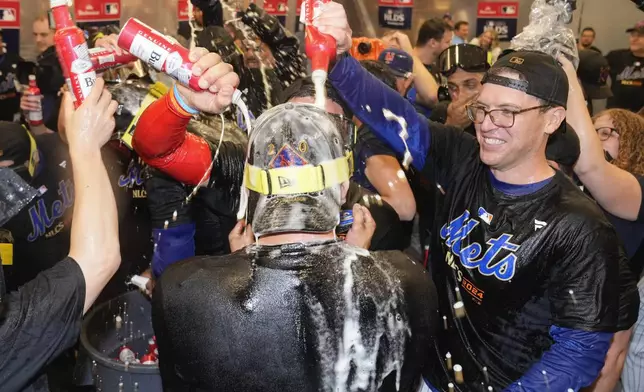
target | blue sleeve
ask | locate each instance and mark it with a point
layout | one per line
(367, 96)
(172, 245)
(573, 362)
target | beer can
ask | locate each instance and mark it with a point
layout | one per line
(104, 59)
(160, 52)
(148, 359)
(126, 355)
(346, 221)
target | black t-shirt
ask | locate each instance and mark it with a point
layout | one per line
(38, 323)
(9, 98)
(627, 75)
(295, 317)
(515, 261)
(125, 172)
(40, 232)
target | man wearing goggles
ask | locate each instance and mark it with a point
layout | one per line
(464, 66)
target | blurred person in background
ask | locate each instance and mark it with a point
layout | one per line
(461, 32)
(434, 36)
(489, 41)
(586, 39)
(49, 78)
(593, 73)
(627, 72)
(9, 98)
(415, 81)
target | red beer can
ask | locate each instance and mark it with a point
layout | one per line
(126, 355)
(162, 53)
(148, 359)
(73, 53)
(103, 59)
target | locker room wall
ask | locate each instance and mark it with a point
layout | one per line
(363, 15)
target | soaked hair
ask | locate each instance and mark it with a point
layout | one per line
(505, 70)
(630, 127)
(304, 87)
(381, 72)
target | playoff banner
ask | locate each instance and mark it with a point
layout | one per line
(395, 14)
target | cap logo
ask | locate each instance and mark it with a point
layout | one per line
(284, 182)
(517, 60)
(604, 72)
(286, 157)
(389, 57)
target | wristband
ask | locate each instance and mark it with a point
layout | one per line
(179, 99)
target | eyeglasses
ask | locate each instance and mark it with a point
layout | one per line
(605, 133)
(503, 118)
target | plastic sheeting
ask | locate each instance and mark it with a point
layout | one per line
(547, 31)
(15, 194)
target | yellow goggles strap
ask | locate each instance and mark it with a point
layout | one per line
(126, 138)
(33, 153)
(297, 179)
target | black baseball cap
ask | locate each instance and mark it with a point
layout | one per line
(14, 143)
(469, 58)
(563, 146)
(593, 72)
(544, 77)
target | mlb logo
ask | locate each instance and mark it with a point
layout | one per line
(485, 216)
(8, 15)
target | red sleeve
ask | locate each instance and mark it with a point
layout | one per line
(162, 141)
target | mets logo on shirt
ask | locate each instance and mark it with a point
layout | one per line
(473, 255)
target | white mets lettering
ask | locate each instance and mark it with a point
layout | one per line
(472, 255)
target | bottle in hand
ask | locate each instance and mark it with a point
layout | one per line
(34, 117)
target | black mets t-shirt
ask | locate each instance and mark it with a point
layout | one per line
(40, 233)
(518, 265)
(38, 323)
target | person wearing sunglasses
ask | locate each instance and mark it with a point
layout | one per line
(527, 267)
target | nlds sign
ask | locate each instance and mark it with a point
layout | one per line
(395, 18)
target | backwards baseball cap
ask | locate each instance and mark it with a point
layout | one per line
(297, 158)
(544, 77)
(638, 28)
(593, 72)
(399, 61)
(469, 58)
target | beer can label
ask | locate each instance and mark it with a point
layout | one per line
(183, 76)
(80, 66)
(35, 115)
(153, 54)
(82, 52)
(173, 63)
(106, 59)
(86, 82)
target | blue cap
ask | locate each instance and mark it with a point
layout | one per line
(399, 61)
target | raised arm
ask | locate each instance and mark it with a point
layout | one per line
(161, 137)
(289, 61)
(366, 96)
(616, 190)
(94, 236)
